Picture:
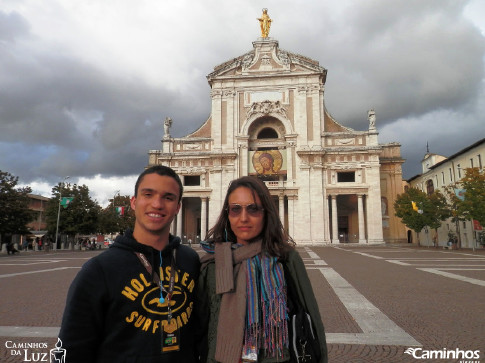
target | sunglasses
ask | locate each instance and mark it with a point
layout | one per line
(253, 210)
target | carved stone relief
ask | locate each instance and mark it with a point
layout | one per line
(265, 108)
(284, 58)
(247, 61)
(266, 60)
(192, 147)
(344, 142)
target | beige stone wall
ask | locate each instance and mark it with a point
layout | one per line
(271, 88)
(391, 186)
(442, 172)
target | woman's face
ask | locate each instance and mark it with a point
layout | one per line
(246, 215)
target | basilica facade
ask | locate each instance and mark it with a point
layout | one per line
(332, 184)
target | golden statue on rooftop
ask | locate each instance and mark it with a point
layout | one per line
(265, 23)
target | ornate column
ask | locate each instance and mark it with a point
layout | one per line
(216, 96)
(326, 222)
(227, 117)
(281, 205)
(290, 167)
(243, 159)
(203, 217)
(360, 209)
(291, 208)
(302, 120)
(334, 220)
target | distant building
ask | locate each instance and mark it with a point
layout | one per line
(332, 184)
(38, 204)
(439, 172)
(37, 227)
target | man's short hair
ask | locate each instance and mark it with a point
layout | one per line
(161, 170)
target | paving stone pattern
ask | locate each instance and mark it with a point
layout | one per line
(375, 301)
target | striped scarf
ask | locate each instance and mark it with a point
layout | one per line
(266, 313)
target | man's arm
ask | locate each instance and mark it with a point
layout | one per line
(83, 320)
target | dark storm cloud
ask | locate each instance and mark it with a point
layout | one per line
(420, 65)
(97, 124)
(63, 112)
(60, 116)
(12, 25)
(408, 58)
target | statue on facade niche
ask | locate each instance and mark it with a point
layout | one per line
(166, 127)
(247, 60)
(283, 56)
(371, 116)
(265, 23)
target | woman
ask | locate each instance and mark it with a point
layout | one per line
(243, 281)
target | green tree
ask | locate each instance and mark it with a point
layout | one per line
(440, 209)
(418, 210)
(14, 206)
(116, 221)
(470, 204)
(439, 213)
(80, 216)
(457, 212)
(474, 199)
(403, 206)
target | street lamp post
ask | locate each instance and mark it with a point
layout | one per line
(114, 209)
(59, 211)
(114, 198)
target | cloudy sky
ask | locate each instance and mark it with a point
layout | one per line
(85, 85)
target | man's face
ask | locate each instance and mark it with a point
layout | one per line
(265, 163)
(155, 205)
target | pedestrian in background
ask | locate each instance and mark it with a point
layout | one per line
(11, 248)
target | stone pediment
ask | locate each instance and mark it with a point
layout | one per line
(267, 58)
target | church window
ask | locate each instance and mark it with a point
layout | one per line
(192, 180)
(267, 133)
(346, 177)
(429, 187)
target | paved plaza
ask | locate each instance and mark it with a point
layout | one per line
(378, 303)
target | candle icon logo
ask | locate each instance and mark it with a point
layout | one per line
(58, 354)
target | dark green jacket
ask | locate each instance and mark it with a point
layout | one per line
(209, 304)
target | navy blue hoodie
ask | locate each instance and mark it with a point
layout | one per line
(112, 310)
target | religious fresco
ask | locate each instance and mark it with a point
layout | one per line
(267, 162)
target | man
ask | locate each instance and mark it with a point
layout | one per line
(266, 160)
(115, 309)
